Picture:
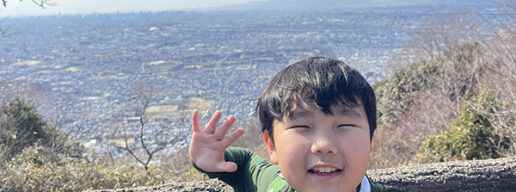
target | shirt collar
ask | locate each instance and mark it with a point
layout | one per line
(365, 186)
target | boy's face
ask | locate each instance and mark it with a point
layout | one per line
(319, 152)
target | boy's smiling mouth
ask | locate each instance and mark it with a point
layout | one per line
(324, 171)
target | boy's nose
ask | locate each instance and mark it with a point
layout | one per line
(324, 146)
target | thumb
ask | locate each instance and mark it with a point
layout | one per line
(227, 166)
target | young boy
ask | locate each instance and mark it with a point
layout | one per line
(318, 117)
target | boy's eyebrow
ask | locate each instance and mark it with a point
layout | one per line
(342, 111)
(348, 111)
(298, 113)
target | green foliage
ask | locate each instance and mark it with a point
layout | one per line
(21, 126)
(37, 157)
(39, 169)
(394, 94)
(452, 75)
(473, 135)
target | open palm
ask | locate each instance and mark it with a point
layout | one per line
(207, 146)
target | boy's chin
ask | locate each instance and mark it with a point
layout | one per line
(325, 188)
(321, 182)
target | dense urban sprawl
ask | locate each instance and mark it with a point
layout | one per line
(88, 66)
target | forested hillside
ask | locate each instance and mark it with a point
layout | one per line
(453, 100)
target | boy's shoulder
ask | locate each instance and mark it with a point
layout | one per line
(374, 186)
(255, 170)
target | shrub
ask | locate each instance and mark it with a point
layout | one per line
(39, 169)
(473, 135)
(38, 157)
(21, 126)
(394, 94)
(453, 74)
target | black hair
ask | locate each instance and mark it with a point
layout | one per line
(321, 83)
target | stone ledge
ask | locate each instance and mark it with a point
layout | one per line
(478, 175)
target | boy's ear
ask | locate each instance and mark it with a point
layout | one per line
(270, 147)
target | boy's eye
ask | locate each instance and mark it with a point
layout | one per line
(300, 127)
(346, 125)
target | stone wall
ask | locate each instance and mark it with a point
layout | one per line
(479, 175)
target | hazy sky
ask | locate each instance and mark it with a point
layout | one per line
(17, 8)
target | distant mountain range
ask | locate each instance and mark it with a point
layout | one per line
(330, 4)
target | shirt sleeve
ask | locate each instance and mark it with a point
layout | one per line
(253, 173)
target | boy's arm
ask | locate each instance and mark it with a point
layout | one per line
(237, 155)
(253, 174)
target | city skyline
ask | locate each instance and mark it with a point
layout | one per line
(17, 8)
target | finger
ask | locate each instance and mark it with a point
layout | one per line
(231, 138)
(227, 166)
(223, 129)
(210, 128)
(196, 125)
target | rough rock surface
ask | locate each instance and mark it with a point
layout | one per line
(201, 186)
(479, 175)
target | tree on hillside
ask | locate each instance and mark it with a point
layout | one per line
(21, 126)
(450, 65)
(454, 77)
(435, 38)
(473, 135)
(502, 67)
(141, 131)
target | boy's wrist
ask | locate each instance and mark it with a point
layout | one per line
(194, 164)
(197, 167)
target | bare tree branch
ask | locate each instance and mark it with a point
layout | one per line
(41, 3)
(152, 133)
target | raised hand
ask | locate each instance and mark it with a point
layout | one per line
(207, 146)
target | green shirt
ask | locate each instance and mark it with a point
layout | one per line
(253, 173)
